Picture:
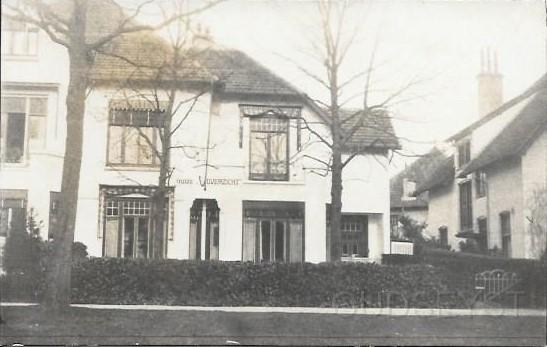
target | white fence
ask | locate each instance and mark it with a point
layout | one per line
(402, 247)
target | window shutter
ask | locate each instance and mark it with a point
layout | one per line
(295, 253)
(249, 239)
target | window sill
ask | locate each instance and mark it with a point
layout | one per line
(275, 183)
(110, 167)
(355, 259)
(22, 58)
(22, 165)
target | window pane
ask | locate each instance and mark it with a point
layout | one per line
(13, 105)
(129, 225)
(296, 241)
(115, 143)
(131, 146)
(6, 42)
(259, 154)
(146, 155)
(142, 238)
(111, 237)
(249, 235)
(20, 43)
(32, 43)
(279, 241)
(38, 106)
(37, 131)
(278, 153)
(15, 137)
(265, 240)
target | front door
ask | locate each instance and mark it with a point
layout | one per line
(273, 240)
(135, 237)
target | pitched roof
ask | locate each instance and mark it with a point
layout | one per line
(420, 171)
(500, 110)
(517, 134)
(373, 130)
(441, 174)
(417, 172)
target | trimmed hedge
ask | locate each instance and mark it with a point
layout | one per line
(459, 269)
(183, 282)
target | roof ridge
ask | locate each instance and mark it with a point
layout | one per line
(537, 85)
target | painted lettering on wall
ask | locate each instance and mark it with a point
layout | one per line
(210, 181)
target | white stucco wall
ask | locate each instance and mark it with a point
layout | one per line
(534, 179)
(443, 211)
(33, 76)
(366, 183)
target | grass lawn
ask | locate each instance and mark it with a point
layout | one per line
(28, 325)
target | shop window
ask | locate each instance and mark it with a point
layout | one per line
(133, 137)
(269, 145)
(19, 38)
(127, 221)
(23, 125)
(274, 234)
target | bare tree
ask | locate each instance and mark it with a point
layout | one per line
(537, 218)
(66, 23)
(331, 50)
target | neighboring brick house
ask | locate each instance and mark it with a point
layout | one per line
(484, 194)
(243, 186)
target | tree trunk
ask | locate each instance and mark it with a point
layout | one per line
(336, 206)
(57, 295)
(57, 292)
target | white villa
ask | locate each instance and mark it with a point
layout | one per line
(243, 185)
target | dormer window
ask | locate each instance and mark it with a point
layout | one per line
(464, 153)
(19, 38)
(409, 188)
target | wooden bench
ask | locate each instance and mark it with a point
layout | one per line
(494, 283)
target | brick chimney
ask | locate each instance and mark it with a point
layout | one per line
(202, 38)
(490, 83)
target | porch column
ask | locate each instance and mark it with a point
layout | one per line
(203, 227)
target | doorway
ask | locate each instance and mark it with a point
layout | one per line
(204, 229)
(273, 240)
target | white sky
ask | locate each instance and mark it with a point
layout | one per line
(438, 42)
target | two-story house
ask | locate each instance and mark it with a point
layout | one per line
(482, 194)
(243, 184)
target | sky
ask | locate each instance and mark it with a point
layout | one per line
(435, 44)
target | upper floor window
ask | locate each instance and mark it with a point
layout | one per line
(480, 183)
(19, 38)
(133, 137)
(269, 146)
(464, 153)
(23, 122)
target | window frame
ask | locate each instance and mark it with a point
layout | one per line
(28, 145)
(268, 176)
(364, 230)
(464, 152)
(28, 29)
(480, 184)
(506, 233)
(156, 162)
(466, 219)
